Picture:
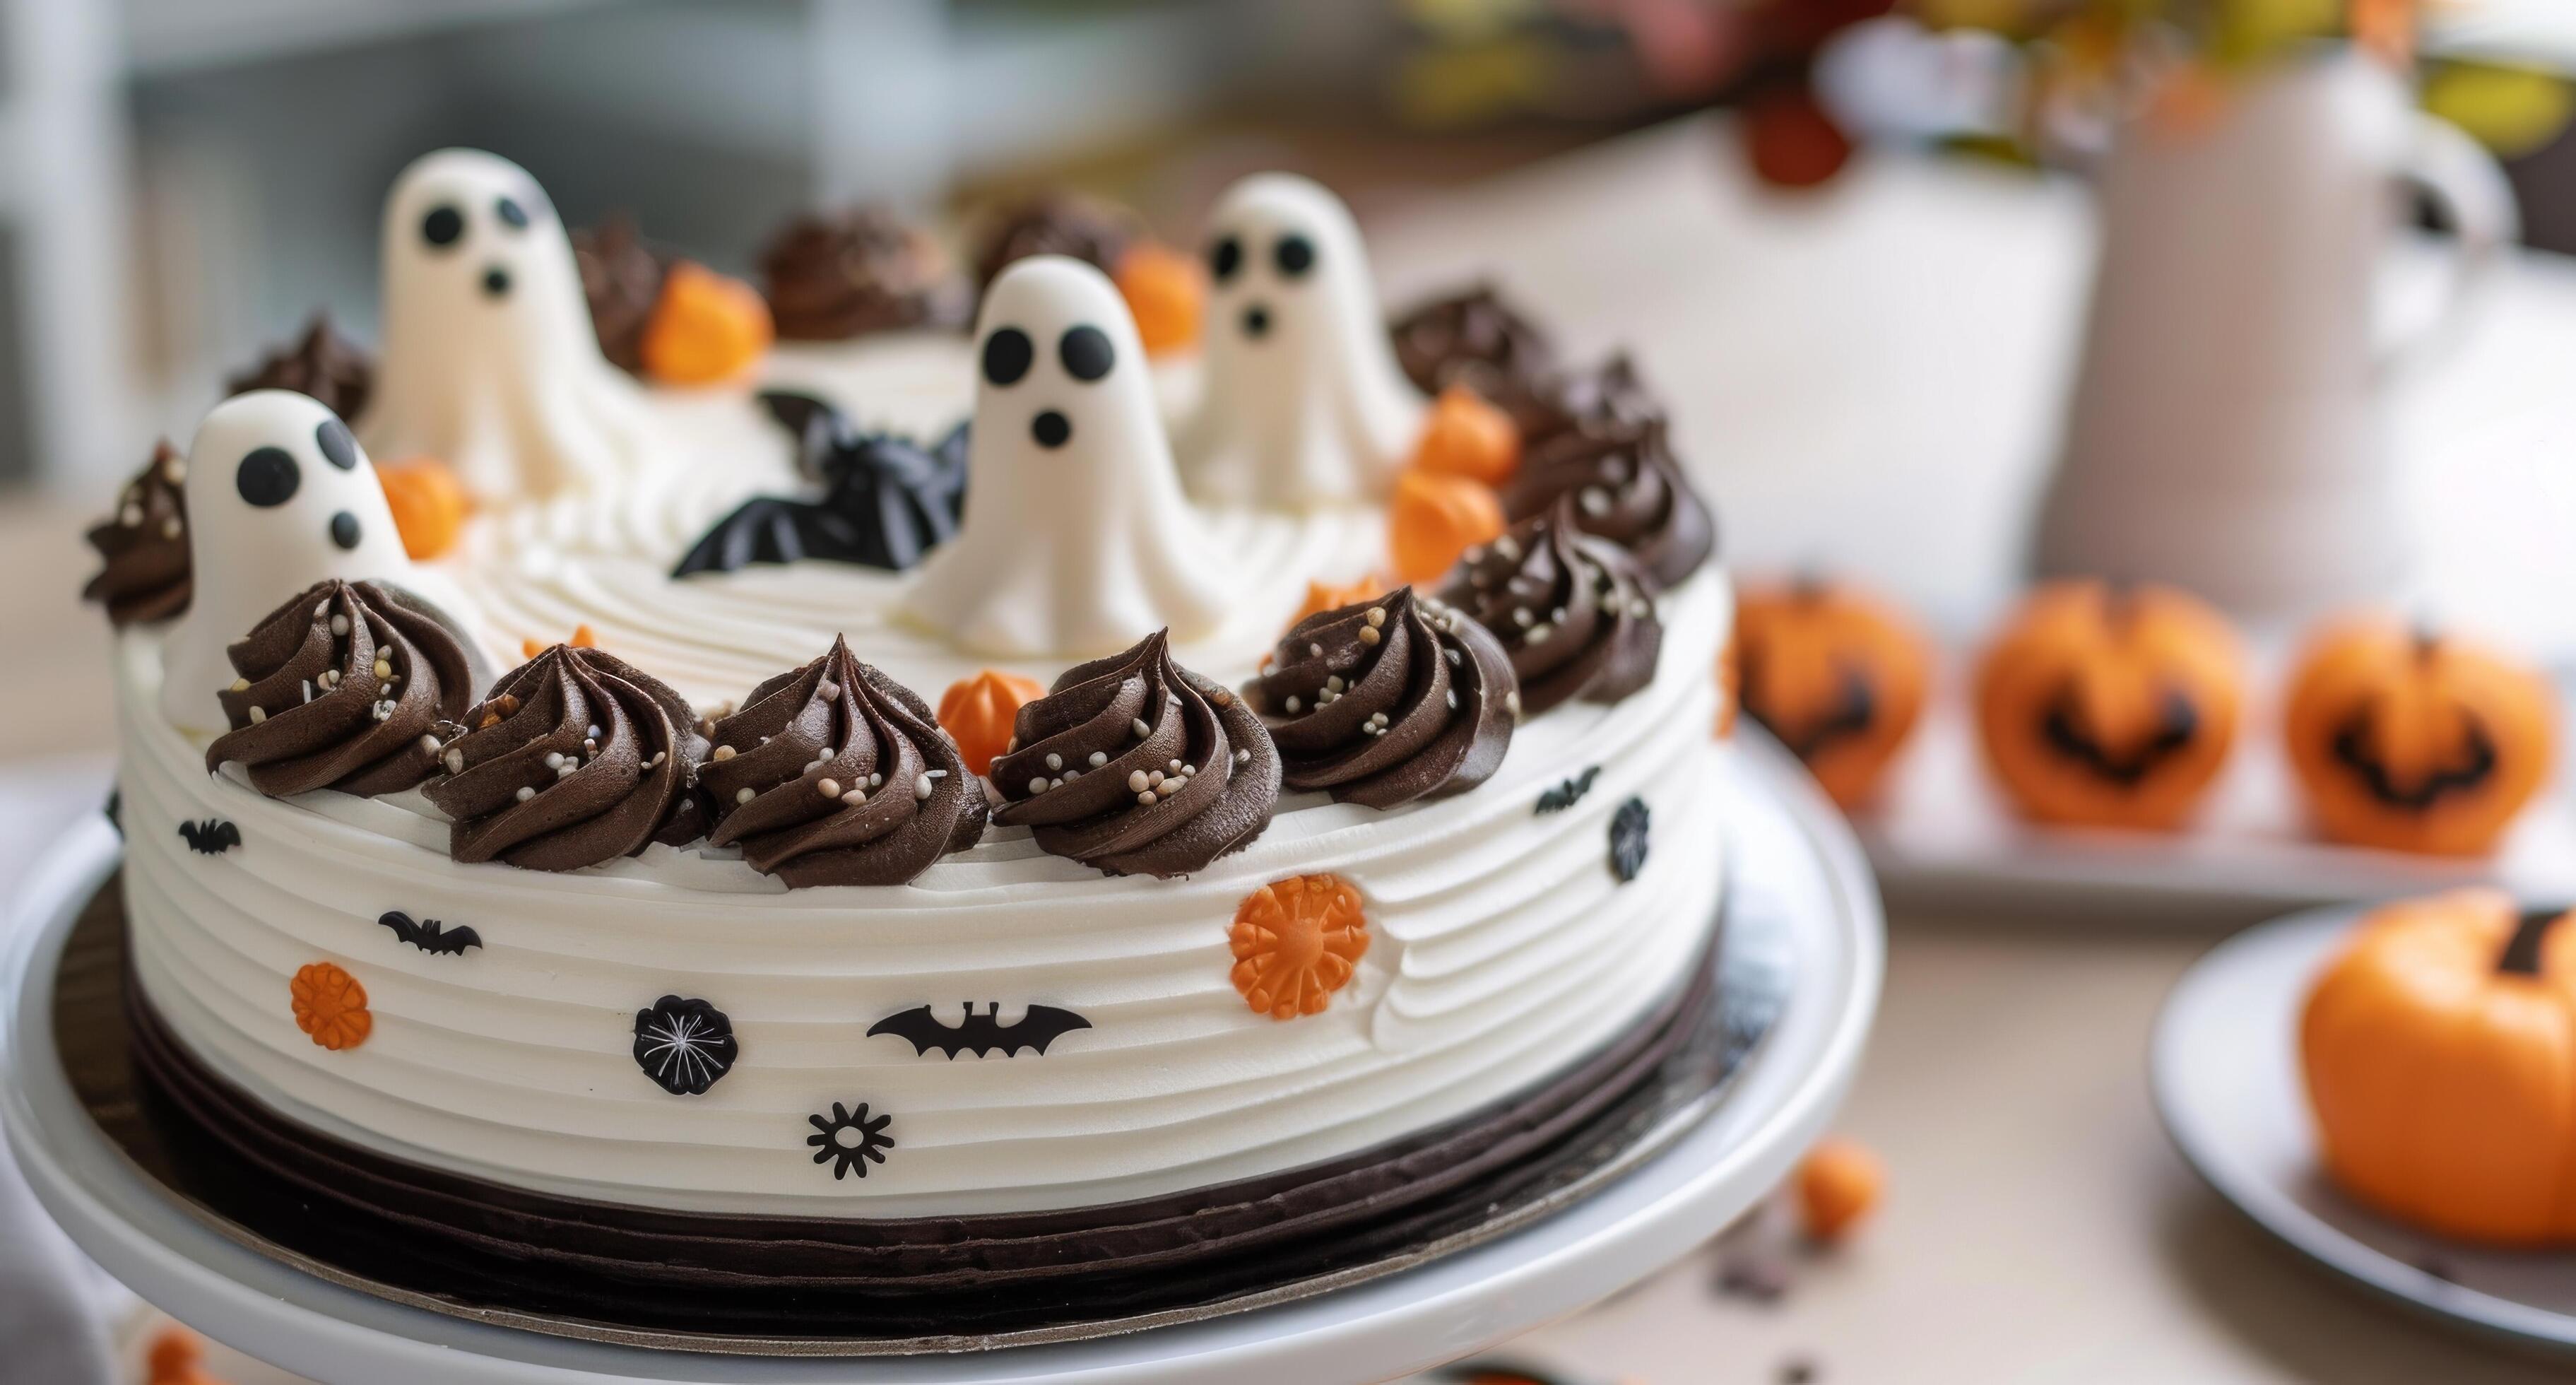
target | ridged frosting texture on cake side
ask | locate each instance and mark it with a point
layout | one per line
(1503, 945)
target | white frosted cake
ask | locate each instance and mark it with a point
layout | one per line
(729, 921)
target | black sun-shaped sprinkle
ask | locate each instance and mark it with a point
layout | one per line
(848, 1140)
(684, 1045)
(1628, 840)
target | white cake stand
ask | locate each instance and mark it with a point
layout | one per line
(1788, 851)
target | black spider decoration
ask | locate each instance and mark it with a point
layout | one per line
(211, 837)
(1628, 840)
(886, 502)
(848, 1140)
(684, 1045)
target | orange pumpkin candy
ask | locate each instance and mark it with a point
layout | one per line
(2110, 706)
(1462, 435)
(978, 714)
(705, 327)
(429, 504)
(2440, 1057)
(1838, 676)
(1434, 518)
(2413, 741)
(1166, 292)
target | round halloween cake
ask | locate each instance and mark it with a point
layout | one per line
(950, 796)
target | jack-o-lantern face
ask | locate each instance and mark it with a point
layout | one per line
(1837, 676)
(2440, 1057)
(2110, 706)
(2415, 742)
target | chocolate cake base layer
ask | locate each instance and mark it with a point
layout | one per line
(478, 1244)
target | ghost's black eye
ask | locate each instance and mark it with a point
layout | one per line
(511, 213)
(1007, 354)
(1086, 353)
(1294, 255)
(1225, 257)
(442, 226)
(338, 448)
(268, 477)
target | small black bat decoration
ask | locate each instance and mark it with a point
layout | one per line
(886, 502)
(429, 935)
(211, 837)
(2477, 760)
(1569, 793)
(2178, 724)
(1628, 840)
(981, 1034)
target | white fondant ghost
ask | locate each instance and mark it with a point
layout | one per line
(279, 497)
(1077, 540)
(1304, 404)
(490, 361)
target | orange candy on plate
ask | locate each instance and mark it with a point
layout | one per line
(978, 713)
(705, 328)
(1167, 292)
(1463, 435)
(428, 502)
(1838, 1185)
(1434, 518)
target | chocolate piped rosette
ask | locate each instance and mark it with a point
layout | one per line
(1625, 486)
(1472, 338)
(830, 277)
(145, 545)
(1571, 610)
(1138, 766)
(343, 687)
(1390, 700)
(834, 774)
(322, 365)
(577, 758)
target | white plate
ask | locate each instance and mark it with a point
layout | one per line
(1793, 856)
(2225, 1071)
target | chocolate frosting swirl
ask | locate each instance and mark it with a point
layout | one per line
(1625, 486)
(1387, 701)
(1570, 609)
(864, 270)
(576, 758)
(145, 545)
(622, 278)
(835, 774)
(1472, 338)
(343, 687)
(1057, 223)
(1602, 396)
(1138, 766)
(322, 364)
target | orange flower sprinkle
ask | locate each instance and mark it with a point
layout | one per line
(1296, 941)
(331, 1006)
(977, 714)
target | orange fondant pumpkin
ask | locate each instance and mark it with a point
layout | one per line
(2440, 1055)
(705, 328)
(2413, 741)
(428, 502)
(1325, 596)
(1167, 292)
(1837, 675)
(2110, 706)
(977, 714)
(331, 1006)
(1434, 518)
(1462, 435)
(1295, 942)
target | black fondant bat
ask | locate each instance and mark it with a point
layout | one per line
(429, 935)
(1042, 1025)
(2178, 724)
(886, 501)
(2477, 761)
(212, 837)
(1569, 793)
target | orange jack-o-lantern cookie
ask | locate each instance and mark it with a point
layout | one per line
(2111, 706)
(1296, 941)
(1836, 675)
(2414, 741)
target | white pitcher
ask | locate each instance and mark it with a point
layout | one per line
(2228, 428)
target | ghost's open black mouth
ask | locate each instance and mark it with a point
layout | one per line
(496, 282)
(2475, 763)
(1256, 321)
(1051, 429)
(2177, 723)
